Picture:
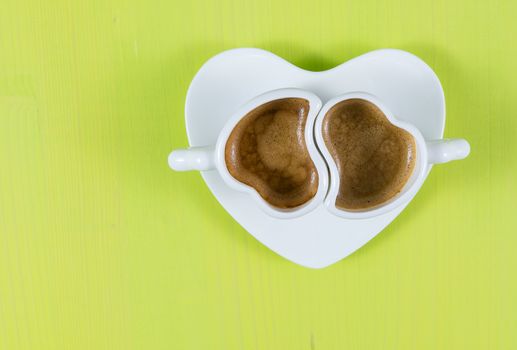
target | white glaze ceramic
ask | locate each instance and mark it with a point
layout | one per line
(225, 82)
(427, 152)
(213, 156)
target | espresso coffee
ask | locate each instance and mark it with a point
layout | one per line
(266, 150)
(374, 158)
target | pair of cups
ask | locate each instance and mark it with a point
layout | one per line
(212, 157)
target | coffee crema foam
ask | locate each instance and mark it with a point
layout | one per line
(266, 150)
(374, 158)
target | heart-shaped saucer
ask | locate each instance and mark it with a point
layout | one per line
(230, 79)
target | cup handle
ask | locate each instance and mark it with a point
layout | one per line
(443, 151)
(193, 158)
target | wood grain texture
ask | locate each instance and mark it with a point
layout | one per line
(103, 247)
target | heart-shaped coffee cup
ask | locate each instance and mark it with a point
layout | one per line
(421, 154)
(289, 164)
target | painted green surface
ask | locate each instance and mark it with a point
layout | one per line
(103, 247)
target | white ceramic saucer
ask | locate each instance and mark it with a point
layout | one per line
(404, 82)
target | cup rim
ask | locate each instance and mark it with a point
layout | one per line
(419, 172)
(315, 104)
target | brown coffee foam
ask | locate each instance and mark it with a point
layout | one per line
(266, 150)
(374, 158)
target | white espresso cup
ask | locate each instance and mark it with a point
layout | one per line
(212, 157)
(427, 152)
